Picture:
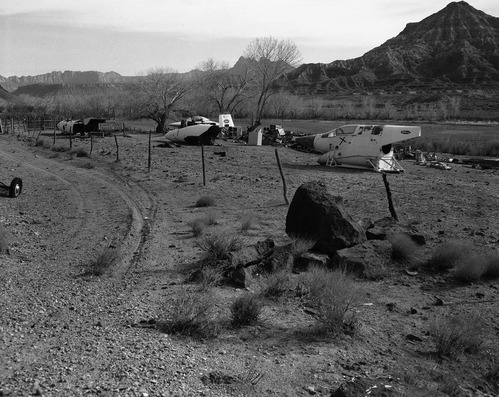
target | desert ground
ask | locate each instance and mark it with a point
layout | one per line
(66, 333)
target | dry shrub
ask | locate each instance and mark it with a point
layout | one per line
(450, 387)
(301, 245)
(275, 284)
(492, 268)
(190, 314)
(471, 267)
(447, 255)
(197, 226)
(106, 259)
(403, 247)
(474, 266)
(247, 222)
(205, 201)
(492, 375)
(87, 165)
(333, 294)
(457, 334)
(59, 149)
(219, 244)
(246, 310)
(212, 218)
(210, 277)
(81, 152)
(4, 239)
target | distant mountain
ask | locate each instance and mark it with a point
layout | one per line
(457, 46)
(67, 77)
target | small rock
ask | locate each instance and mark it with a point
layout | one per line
(413, 338)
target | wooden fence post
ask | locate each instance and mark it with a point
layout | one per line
(117, 149)
(149, 154)
(284, 188)
(389, 195)
(202, 162)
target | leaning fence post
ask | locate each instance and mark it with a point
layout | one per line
(202, 162)
(389, 195)
(117, 149)
(149, 154)
(284, 188)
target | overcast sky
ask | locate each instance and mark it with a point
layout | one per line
(132, 36)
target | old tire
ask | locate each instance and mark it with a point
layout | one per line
(16, 187)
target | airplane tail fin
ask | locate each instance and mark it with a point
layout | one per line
(225, 120)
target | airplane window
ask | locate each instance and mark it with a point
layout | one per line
(347, 129)
(329, 134)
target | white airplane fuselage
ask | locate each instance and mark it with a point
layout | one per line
(196, 134)
(360, 146)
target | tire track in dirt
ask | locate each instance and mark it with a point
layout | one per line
(98, 199)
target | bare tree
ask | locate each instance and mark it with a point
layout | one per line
(158, 92)
(223, 88)
(268, 60)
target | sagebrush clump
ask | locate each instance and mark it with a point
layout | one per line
(446, 255)
(246, 310)
(403, 247)
(333, 294)
(189, 314)
(457, 334)
(218, 244)
(104, 261)
(205, 201)
(275, 284)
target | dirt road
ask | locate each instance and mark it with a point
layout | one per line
(65, 334)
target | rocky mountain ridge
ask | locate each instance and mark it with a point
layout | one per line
(67, 77)
(457, 46)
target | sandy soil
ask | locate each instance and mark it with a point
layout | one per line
(63, 333)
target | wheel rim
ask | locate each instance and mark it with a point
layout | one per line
(17, 189)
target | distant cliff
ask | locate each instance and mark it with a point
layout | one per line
(67, 77)
(455, 48)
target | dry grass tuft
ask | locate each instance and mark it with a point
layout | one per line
(492, 268)
(456, 335)
(197, 226)
(474, 266)
(205, 201)
(87, 165)
(301, 245)
(219, 244)
(403, 247)
(59, 149)
(447, 255)
(190, 314)
(246, 310)
(276, 284)
(470, 267)
(104, 261)
(212, 218)
(210, 277)
(247, 222)
(333, 294)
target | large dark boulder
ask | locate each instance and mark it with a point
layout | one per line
(316, 215)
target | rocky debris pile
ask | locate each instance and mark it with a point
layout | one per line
(323, 233)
